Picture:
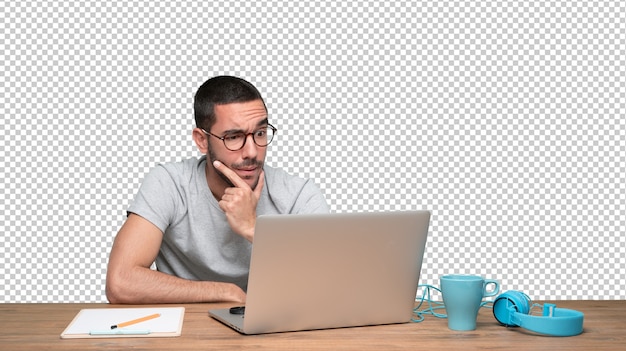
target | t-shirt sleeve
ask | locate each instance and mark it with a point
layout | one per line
(155, 200)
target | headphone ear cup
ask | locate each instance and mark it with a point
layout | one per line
(508, 303)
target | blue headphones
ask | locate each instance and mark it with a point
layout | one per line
(512, 309)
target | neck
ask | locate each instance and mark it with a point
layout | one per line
(214, 181)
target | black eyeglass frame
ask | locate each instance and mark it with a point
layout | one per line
(245, 139)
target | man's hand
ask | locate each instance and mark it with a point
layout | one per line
(239, 203)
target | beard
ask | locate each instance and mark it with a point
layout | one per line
(246, 163)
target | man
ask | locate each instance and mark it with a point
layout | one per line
(195, 219)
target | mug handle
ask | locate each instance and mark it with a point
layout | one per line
(496, 288)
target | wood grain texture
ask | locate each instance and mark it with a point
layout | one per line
(38, 326)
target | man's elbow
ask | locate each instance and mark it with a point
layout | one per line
(116, 290)
(112, 292)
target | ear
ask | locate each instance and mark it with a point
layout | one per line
(201, 140)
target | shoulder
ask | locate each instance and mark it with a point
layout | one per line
(183, 167)
(166, 191)
(175, 178)
(293, 194)
(179, 171)
(276, 177)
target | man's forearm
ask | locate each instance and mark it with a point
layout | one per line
(141, 285)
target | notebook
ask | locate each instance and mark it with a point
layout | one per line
(322, 271)
(128, 322)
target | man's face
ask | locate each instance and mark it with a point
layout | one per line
(247, 162)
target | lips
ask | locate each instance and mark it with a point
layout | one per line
(247, 172)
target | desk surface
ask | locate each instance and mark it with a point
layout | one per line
(38, 326)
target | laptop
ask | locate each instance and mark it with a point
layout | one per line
(321, 271)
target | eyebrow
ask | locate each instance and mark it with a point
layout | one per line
(232, 131)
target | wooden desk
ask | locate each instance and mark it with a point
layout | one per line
(38, 326)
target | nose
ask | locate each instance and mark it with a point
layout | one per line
(249, 149)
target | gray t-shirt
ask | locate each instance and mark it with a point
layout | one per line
(198, 243)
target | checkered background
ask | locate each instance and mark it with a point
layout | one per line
(506, 119)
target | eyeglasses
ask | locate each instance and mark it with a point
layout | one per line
(236, 141)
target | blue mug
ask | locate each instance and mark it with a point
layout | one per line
(462, 296)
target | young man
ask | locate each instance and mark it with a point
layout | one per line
(195, 219)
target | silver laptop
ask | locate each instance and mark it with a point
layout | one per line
(331, 271)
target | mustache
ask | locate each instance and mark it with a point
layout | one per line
(248, 163)
(245, 163)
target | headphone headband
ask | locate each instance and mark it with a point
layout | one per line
(512, 307)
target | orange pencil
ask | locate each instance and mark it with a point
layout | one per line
(135, 321)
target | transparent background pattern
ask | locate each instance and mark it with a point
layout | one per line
(505, 119)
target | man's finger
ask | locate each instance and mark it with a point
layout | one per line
(232, 176)
(259, 185)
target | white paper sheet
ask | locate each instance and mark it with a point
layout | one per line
(101, 319)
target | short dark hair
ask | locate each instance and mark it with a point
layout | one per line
(221, 90)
